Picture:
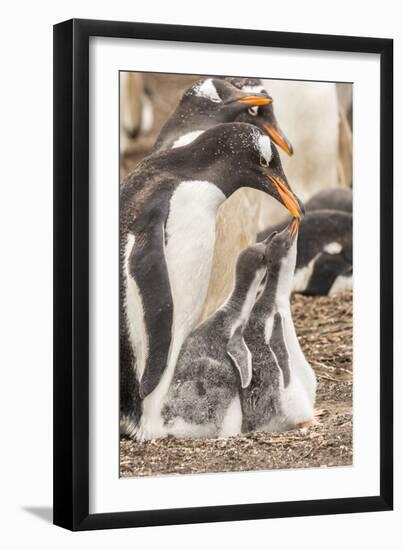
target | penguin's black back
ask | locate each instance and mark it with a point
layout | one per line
(335, 198)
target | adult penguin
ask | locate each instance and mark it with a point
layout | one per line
(167, 235)
(238, 218)
(212, 101)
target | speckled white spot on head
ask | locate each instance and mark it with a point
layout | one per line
(333, 248)
(208, 90)
(187, 138)
(264, 147)
(253, 89)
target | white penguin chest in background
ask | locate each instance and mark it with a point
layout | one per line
(190, 237)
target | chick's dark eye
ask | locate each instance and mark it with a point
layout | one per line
(263, 161)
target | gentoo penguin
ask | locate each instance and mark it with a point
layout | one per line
(204, 104)
(204, 396)
(212, 101)
(325, 252)
(333, 198)
(264, 116)
(282, 391)
(167, 234)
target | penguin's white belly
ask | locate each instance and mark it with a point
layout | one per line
(190, 234)
(230, 424)
(342, 282)
(300, 368)
(303, 275)
(232, 421)
(190, 238)
(296, 404)
(180, 428)
(298, 398)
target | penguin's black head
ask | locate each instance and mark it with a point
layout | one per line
(262, 116)
(242, 155)
(219, 100)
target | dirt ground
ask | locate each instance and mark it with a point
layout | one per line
(324, 327)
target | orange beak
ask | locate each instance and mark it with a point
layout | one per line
(255, 100)
(279, 139)
(294, 227)
(287, 197)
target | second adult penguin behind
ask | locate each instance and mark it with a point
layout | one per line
(212, 101)
(168, 212)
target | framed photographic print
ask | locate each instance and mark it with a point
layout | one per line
(213, 358)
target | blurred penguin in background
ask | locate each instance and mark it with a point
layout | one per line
(324, 252)
(146, 102)
(334, 198)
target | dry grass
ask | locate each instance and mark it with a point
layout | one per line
(324, 327)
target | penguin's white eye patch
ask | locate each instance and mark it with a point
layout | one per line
(333, 248)
(208, 90)
(264, 148)
(253, 110)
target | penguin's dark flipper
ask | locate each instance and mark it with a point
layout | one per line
(279, 348)
(240, 356)
(148, 268)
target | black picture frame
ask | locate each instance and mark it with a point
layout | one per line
(71, 274)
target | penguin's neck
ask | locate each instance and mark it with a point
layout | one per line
(236, 311)
(266, 303)
(276, 294)
(193, 163)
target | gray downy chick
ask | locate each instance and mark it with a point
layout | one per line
(281, 394)
(203, 399)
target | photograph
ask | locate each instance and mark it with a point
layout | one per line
(235, 274)
(193, 358)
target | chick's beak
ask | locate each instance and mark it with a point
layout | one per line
(290, 201)
(255, 100)
(279, 138)
(293, 227)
